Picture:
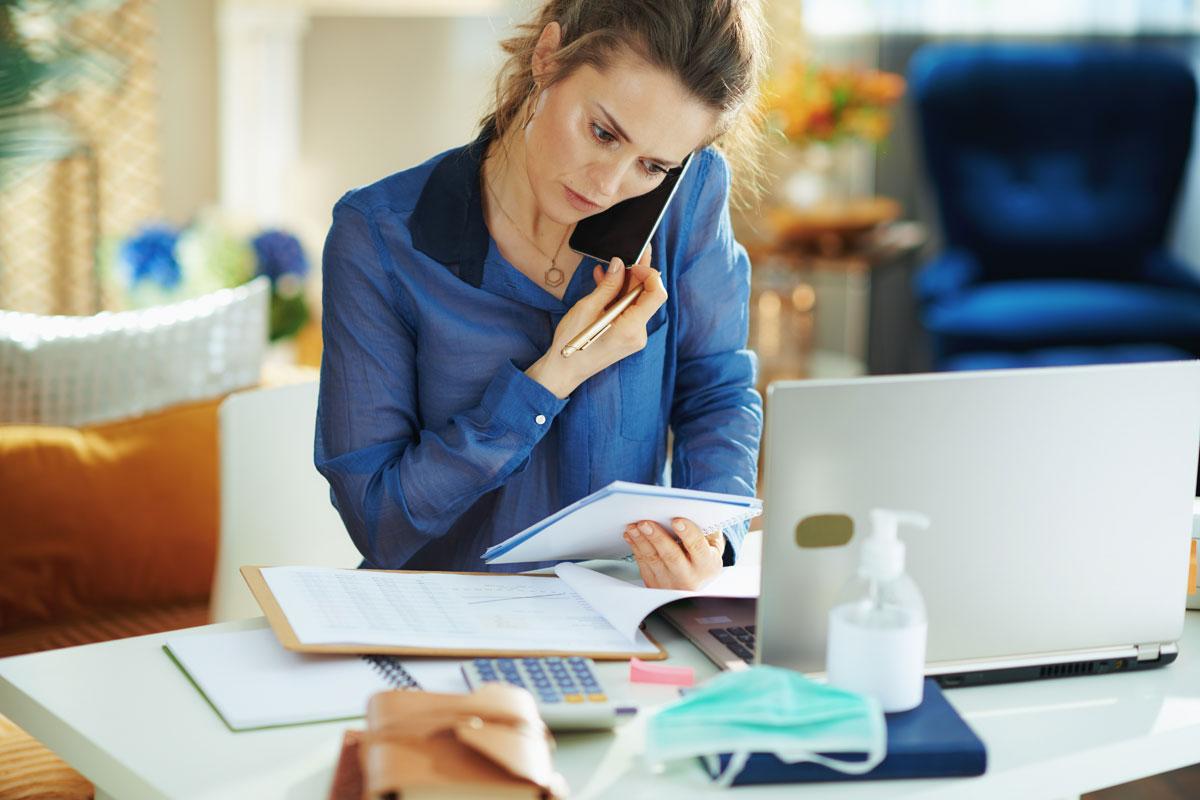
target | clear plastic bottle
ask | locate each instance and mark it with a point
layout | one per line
(878, 627)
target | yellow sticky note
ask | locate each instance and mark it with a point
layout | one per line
(1192, 570)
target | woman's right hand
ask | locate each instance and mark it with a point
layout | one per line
(626, 336)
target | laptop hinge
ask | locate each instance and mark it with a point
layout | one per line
(1149, 652)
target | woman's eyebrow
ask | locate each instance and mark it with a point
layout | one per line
(617, 129)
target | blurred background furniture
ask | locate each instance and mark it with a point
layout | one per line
(275, 506)
(811, 296)
(80, 370)
(1056, 169)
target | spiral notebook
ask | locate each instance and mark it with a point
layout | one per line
(252, 682)
(593, 527)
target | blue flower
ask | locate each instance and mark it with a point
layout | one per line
(279, 253)
(150, 256)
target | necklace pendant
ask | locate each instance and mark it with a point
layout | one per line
(553, 277)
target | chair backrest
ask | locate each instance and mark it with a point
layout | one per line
(1052, 160)
(275, 506)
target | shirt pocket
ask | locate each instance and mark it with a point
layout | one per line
(641, 377)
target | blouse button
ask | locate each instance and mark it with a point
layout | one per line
(540, 419)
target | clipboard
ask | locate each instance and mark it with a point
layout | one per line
(287, 636)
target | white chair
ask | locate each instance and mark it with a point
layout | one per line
(275, 507)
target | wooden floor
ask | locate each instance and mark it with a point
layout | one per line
(1182, 784)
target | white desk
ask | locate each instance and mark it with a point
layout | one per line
(123, 715)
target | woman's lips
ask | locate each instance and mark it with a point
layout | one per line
(579, 201)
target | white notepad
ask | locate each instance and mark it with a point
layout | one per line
(253, 682)
(594, 526)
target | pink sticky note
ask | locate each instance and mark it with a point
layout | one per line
(649, 672)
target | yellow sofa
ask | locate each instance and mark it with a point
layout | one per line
(106, 531)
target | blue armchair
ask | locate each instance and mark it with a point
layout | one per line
(1056, 169)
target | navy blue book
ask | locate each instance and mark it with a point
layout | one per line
(931, 741)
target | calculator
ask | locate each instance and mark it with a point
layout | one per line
(568, 693)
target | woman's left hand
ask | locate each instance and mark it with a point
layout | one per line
(680, 559)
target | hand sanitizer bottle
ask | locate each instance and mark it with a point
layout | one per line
(877, 628)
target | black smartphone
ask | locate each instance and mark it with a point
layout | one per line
(625, 229)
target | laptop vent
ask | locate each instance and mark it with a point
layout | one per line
(1064, 670)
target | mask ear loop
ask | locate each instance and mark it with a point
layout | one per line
(629, 742)
(737, 762)
(878, 752)
(874, 756)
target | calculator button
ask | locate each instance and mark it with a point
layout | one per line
(573, 698)
(598, 698)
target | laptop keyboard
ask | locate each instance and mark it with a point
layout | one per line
(739, 641)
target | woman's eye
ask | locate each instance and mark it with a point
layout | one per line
(649, 168)
(602, 135)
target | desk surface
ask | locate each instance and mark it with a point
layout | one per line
(123, 715)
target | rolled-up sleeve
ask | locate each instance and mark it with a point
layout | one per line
(717, 413)
(396, 485)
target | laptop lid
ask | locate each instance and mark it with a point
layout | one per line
(1060, 500)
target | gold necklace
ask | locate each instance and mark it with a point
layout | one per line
(554, 276)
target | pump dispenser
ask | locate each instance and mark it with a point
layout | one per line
(878, 627)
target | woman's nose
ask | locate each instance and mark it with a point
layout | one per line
(608, 175)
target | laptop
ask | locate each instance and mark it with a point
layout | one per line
(1061, 505)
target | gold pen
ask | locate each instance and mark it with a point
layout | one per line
(592, 332)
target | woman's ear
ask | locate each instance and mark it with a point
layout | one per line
(544, 50)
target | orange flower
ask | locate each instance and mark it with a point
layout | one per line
(806, 102)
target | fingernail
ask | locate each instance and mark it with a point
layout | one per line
(677, 525)
(632, 532)
(646, 529)
(614, 265)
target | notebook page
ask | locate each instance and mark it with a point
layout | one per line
(593, 528)
(253, 682)
(443, 611)
(626, 604)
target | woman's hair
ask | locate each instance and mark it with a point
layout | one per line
(716, 48)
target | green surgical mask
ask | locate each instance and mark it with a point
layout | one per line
(768, 710)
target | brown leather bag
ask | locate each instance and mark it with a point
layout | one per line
(489, 744)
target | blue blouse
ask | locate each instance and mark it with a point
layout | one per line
(435, 443)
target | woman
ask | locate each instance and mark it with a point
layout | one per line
(448, 419)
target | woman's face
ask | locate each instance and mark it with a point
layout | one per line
(598, 138)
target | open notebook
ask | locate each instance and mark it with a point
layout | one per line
(252, 682)
(593, 526)
(576, 611)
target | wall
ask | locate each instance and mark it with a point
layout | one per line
(382, 95)
(187, 89)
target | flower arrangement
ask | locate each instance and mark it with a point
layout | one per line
(159, 264)
(806, 103)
